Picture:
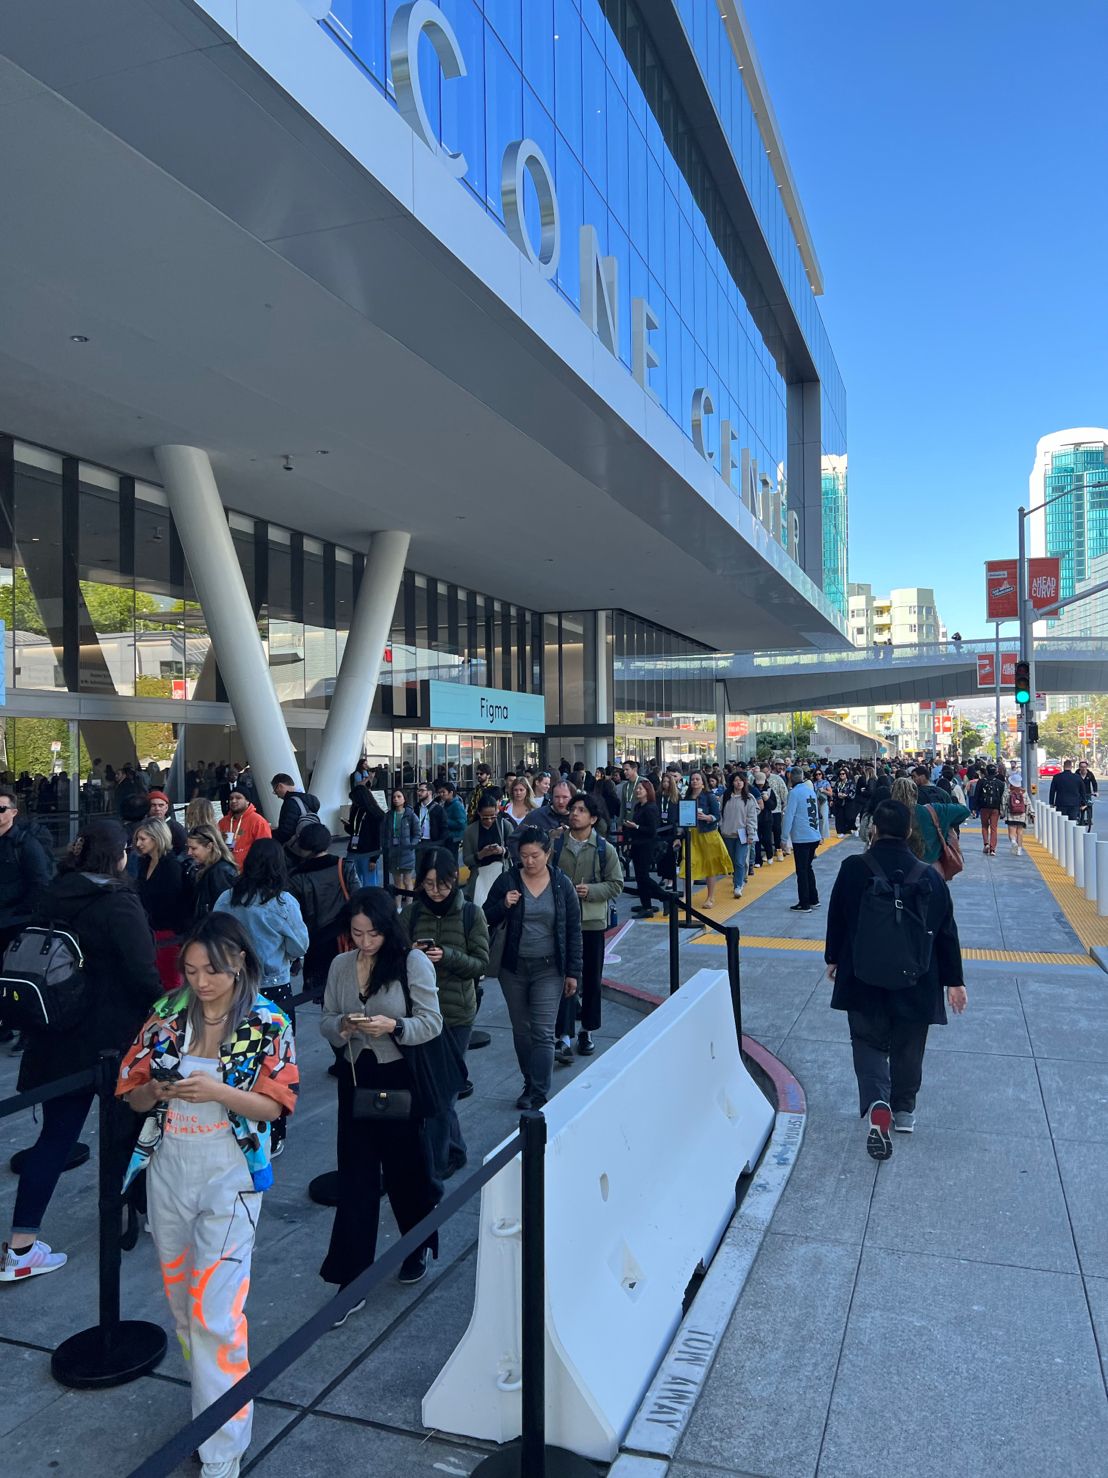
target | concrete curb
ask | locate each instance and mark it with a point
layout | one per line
(1099, 953)
(670, 1399)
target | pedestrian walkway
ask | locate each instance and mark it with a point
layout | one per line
(942, 1313)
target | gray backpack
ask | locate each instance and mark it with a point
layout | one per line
(43, 986)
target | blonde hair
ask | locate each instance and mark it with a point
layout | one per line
(529, 794)
(907, 793)
(159, 833)
(212, 838)
(199, 812)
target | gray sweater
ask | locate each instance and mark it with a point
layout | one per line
(340, 998)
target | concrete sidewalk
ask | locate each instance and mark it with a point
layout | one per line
(943, 1313)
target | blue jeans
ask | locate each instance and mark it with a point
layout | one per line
(368, 867)
(444, 1133)
(740, 859)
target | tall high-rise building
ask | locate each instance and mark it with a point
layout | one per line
(902, 617)
(1071, 467)
(836, 576)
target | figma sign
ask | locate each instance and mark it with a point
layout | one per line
(523, 160)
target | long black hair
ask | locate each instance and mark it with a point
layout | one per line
(265, 874)
(441, 862)
(379, 907)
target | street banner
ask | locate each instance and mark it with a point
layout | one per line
(1044, 581)
(986, 669)
(944, 723)
(1001, 590)
(925, 706)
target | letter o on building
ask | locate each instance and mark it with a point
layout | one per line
(523, 158)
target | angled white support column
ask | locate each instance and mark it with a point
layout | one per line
(201, 521)
(356, 683)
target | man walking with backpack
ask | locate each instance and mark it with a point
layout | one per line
(298, 810)
(892, 949)
(988, 799)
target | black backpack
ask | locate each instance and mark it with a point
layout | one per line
(43, 985)
(892, 940)
(989, 793)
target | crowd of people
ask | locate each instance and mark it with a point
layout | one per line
(198, 935)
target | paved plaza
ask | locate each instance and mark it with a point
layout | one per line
(939, 1314)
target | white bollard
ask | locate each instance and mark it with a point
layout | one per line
(1102, 879)
(1051, 838)
(1088, 846)
(1058, 849)
(1069, 834)
(1078, 857)
(1043, 824)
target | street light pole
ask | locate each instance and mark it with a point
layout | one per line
(1029, 751)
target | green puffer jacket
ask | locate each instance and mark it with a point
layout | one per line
(465, 953)
(604, 883)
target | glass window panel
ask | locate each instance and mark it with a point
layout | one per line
(159, 606)
(504, 15)
(320, 650)
(503, 114)
(595, 108)
(106, 605)
(37, 582)
(567, 74)
(463, 99)
(570, 180)
(618, 201)
(538, 48)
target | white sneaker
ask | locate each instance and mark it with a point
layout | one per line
(904, 1121)
(221, 1470)
(736, 893)
(29, 1264)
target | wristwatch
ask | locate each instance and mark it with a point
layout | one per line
(398, 1032)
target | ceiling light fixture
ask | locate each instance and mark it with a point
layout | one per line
(78, 338)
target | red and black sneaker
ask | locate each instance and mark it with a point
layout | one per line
(879, 1141)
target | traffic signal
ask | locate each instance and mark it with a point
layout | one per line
(1023, 681)
(1032, 733)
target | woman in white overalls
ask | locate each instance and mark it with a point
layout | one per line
(212, 1068)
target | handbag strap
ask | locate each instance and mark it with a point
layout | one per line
(342, 880)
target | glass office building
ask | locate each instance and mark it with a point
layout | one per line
(479, 339)
(1077, 523)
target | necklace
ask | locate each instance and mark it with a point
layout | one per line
(215, 1021)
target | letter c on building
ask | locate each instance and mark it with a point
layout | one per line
(523, 158)
(410, 22)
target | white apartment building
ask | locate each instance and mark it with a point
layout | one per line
(902, 617)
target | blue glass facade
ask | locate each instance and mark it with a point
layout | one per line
(556, 72)
(1077, 524)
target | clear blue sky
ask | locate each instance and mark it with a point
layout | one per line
(952, 159)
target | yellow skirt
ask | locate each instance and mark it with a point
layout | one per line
(710, 857)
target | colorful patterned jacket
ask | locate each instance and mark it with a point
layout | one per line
(259, 1057)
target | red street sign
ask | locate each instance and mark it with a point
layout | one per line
(944, 723)
(925, 707)
(180, 688)
(1043, 582)
(941, 703)
(986, 669)
(1001, 590)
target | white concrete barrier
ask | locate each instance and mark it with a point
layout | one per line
(643, 1154)
(1088, 845)
(1102, 879)
(1048, 828)
(1055, 834)
(1070, 834)
(1042, 825)
(1078, 857)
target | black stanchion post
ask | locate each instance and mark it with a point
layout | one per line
(731, 936)
(688, 873)
(115, 1350)
(674, 942)
(530, 1457)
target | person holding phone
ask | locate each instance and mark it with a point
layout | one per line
(452, 933)
(211, 1070)
(379, 995)
(485, 848)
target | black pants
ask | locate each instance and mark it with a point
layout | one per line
(585, 1005)
(365, 1149)
(62, 1121)
(888, 1059)
(803, 856)
(642, 859)
(775, 828)
(765, 836)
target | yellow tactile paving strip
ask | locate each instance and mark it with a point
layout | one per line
(760, 882)
(815, 946)
(1080, 913)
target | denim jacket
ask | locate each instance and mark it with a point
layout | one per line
(276, 931)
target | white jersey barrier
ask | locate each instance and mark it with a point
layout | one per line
(643, 1154)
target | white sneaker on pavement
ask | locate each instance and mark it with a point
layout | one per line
(30, 1263)
(904, 1122)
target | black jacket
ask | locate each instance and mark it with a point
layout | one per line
(1067, 791)
(208, 885)
(317, 885)
(922, 1002)
(567, 919)
(163, 895)
(296, 804)
(123, 981)
(364, 825)
(24, 872)
(646, 819)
